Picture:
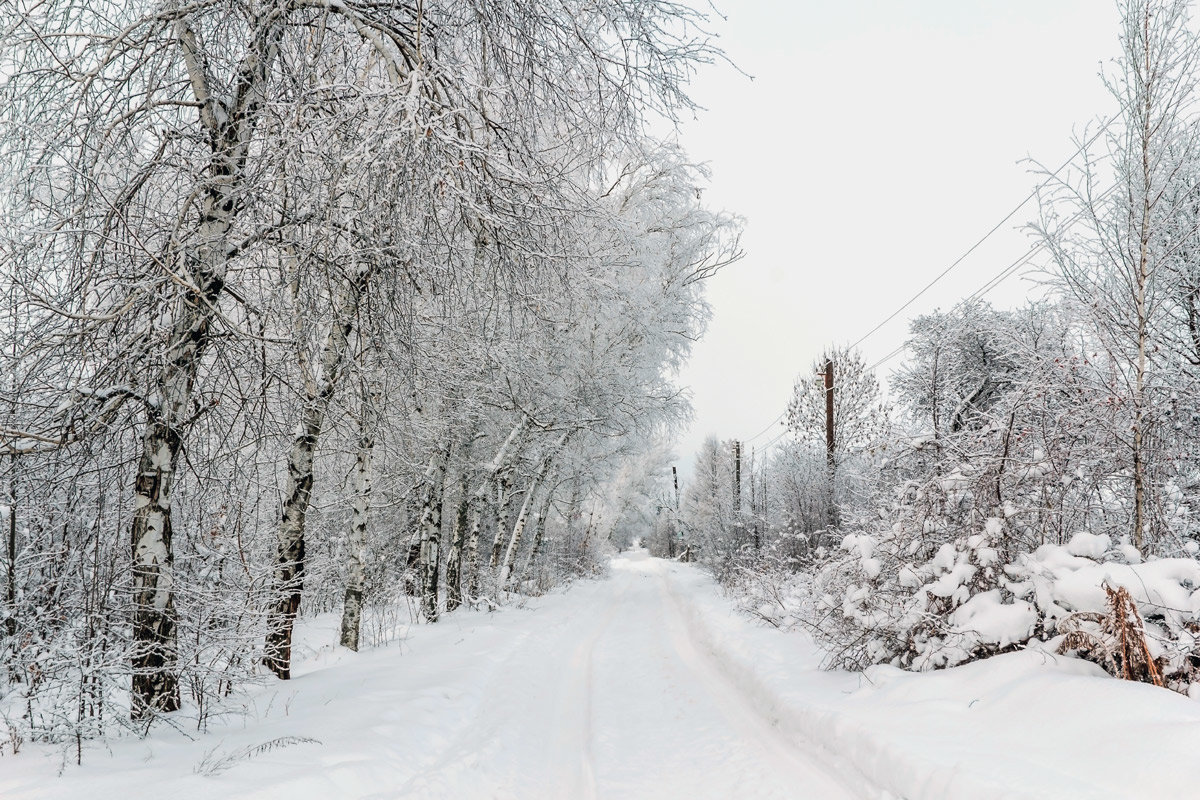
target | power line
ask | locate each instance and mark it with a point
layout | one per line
(767, 429)
(992, 283)
(987, 287)
(986, 236)
(771, 443)
(1003, 274)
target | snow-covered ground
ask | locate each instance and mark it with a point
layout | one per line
(647, 685)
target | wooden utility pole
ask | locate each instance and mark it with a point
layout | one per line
(829, 441)
(675, 533)
(763, 500)
(754, 502)
(737, 490)
(737, 477)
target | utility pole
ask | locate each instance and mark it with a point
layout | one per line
(675, 511)
(765, 510)
(675, 479)
(737, 489)
(685, 552)
(829, 442)
(754, 502)
(737, 477)
(831, 462)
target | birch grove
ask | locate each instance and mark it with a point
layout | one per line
(262, 264)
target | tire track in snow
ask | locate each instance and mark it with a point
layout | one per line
(487, 723)
(743, 713)
(579, 696)
(494, 718)
(470, 733)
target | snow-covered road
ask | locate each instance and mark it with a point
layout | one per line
(643, 684)
(615, 698)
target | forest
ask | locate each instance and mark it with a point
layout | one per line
(313, 305)
(341, 356)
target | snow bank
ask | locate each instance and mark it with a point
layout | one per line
(1028, 724)
(1064, 582)
(986, 618)
(348, 725)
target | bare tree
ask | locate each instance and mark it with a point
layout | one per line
(1115, 261)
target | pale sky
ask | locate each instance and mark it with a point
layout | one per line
(876, 143)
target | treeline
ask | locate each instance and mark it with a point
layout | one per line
(1023, 461)
(311, 306)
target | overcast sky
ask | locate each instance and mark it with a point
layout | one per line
(877, 141)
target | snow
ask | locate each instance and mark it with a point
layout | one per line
(988, 620)
(1064, 581)
(647, 684)
(1089, 545)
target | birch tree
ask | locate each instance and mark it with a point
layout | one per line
(1115, 261)
(217, 208)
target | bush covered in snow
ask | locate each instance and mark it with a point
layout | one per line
(882, 600)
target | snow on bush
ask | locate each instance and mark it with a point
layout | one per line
(880, 601)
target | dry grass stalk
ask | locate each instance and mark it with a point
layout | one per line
(1126, 624)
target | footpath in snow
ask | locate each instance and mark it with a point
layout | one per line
(647, 685)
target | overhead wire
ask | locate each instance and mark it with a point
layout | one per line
(987, 287)
(1001, 276)
(1032, 194)
(767, 429)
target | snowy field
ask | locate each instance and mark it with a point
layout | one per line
(647, 685)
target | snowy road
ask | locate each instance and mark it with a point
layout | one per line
(643, 684)
(615, 698)
(607, 690)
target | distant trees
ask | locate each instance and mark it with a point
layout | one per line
(724, 509)
(1027, 444)
(707, 505)
(860, 420)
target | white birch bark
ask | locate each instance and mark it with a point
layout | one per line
(472, 554)
(539, 532)
(503, 502)
(319, 390)
(514, 541)
(356, 545)
(431, 538)
(491, 469)
(455, 553)
(229, 125)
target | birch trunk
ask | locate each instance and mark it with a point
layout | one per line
(473, 551)
(356, 546)
(454, 555)
(539, 531)
(10, 621)
(503, 500)
(229, 126)
(412, 561)
(491, 469)
(514, 542)
(155, 624)
(431, 539)
(573, 512)
(319, 390)
(1141, 284)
